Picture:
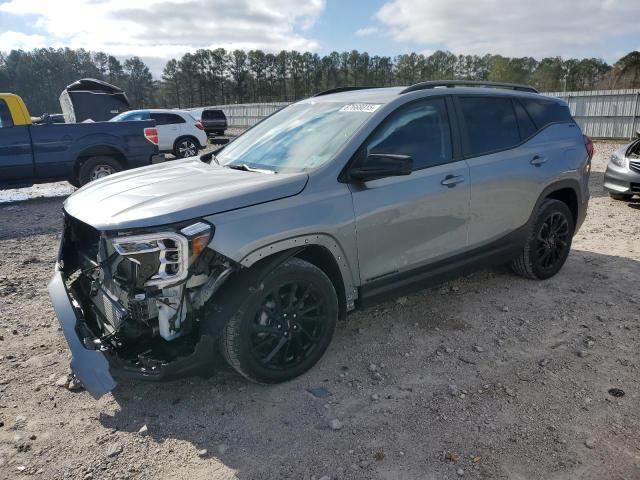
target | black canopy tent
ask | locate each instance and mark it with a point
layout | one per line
(92, 99)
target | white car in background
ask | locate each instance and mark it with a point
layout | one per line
(178, 131)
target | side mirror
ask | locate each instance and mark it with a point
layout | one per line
(381, 165)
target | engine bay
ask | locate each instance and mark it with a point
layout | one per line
(142, 293)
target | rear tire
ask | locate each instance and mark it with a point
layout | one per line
(548, 243)
(282, 328)
(186, 147)
(625, 197)
(95, 168)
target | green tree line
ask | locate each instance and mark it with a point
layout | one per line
(210, 77)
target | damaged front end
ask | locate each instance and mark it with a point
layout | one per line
(137, 298)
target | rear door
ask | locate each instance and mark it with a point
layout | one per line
(16, 159)
(169, 127)
(507, 160)
(403, 223)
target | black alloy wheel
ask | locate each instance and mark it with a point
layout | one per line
(553, 241)
(549, 241)
(289, 325)
(282, 327)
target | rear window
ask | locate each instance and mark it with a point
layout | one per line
(544, 112)
(491, 124)
(213, 115)
(5, 115)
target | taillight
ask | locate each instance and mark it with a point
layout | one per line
(589, 144)
(151, 134)
(199, 125)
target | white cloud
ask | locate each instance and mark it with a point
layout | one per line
(21, 41)
(164, 28)
(366, 31)
(514, 28)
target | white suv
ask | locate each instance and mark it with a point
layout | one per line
(178, 132)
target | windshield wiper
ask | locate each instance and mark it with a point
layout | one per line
(247, 168)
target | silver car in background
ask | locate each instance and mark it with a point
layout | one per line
(331, 204)
(622, 177)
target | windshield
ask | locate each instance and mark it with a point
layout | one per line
(297, 138)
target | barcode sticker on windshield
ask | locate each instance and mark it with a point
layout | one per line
(361, 107)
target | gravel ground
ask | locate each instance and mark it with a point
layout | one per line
(490, 376)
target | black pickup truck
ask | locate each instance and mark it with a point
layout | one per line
(77, 152)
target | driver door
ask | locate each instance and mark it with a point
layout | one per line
(406, 222)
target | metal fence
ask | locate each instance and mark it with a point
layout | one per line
(600, 113)
(246, 114)
(604, 113)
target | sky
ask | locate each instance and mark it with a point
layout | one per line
(161, 29)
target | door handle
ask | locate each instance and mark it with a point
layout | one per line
(452, 180)
(538, 161)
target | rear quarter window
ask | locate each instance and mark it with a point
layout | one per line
(490, 123)
(545, 112)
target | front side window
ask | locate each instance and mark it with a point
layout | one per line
(297, 138)
(419, 130)
(490, 123)
(5, 115)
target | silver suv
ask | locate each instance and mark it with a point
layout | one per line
(330, 204)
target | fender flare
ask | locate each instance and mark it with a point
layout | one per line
(567, 183)
(298, 244)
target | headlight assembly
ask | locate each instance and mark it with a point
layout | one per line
(619, 161)
(199, 235)
(163, 258)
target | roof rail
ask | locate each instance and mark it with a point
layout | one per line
(341, 89)
(467, 83)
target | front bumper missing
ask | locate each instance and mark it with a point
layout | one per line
(97, 368)
(89, 366)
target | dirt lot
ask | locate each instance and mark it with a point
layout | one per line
(490, 376)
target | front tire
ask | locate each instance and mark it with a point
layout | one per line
(282, 328)
(185, 147)
(548, 243)
(95, 168)
(625, 197)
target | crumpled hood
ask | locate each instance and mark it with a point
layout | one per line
(175, 191)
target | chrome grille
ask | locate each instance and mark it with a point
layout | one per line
(635, 166)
